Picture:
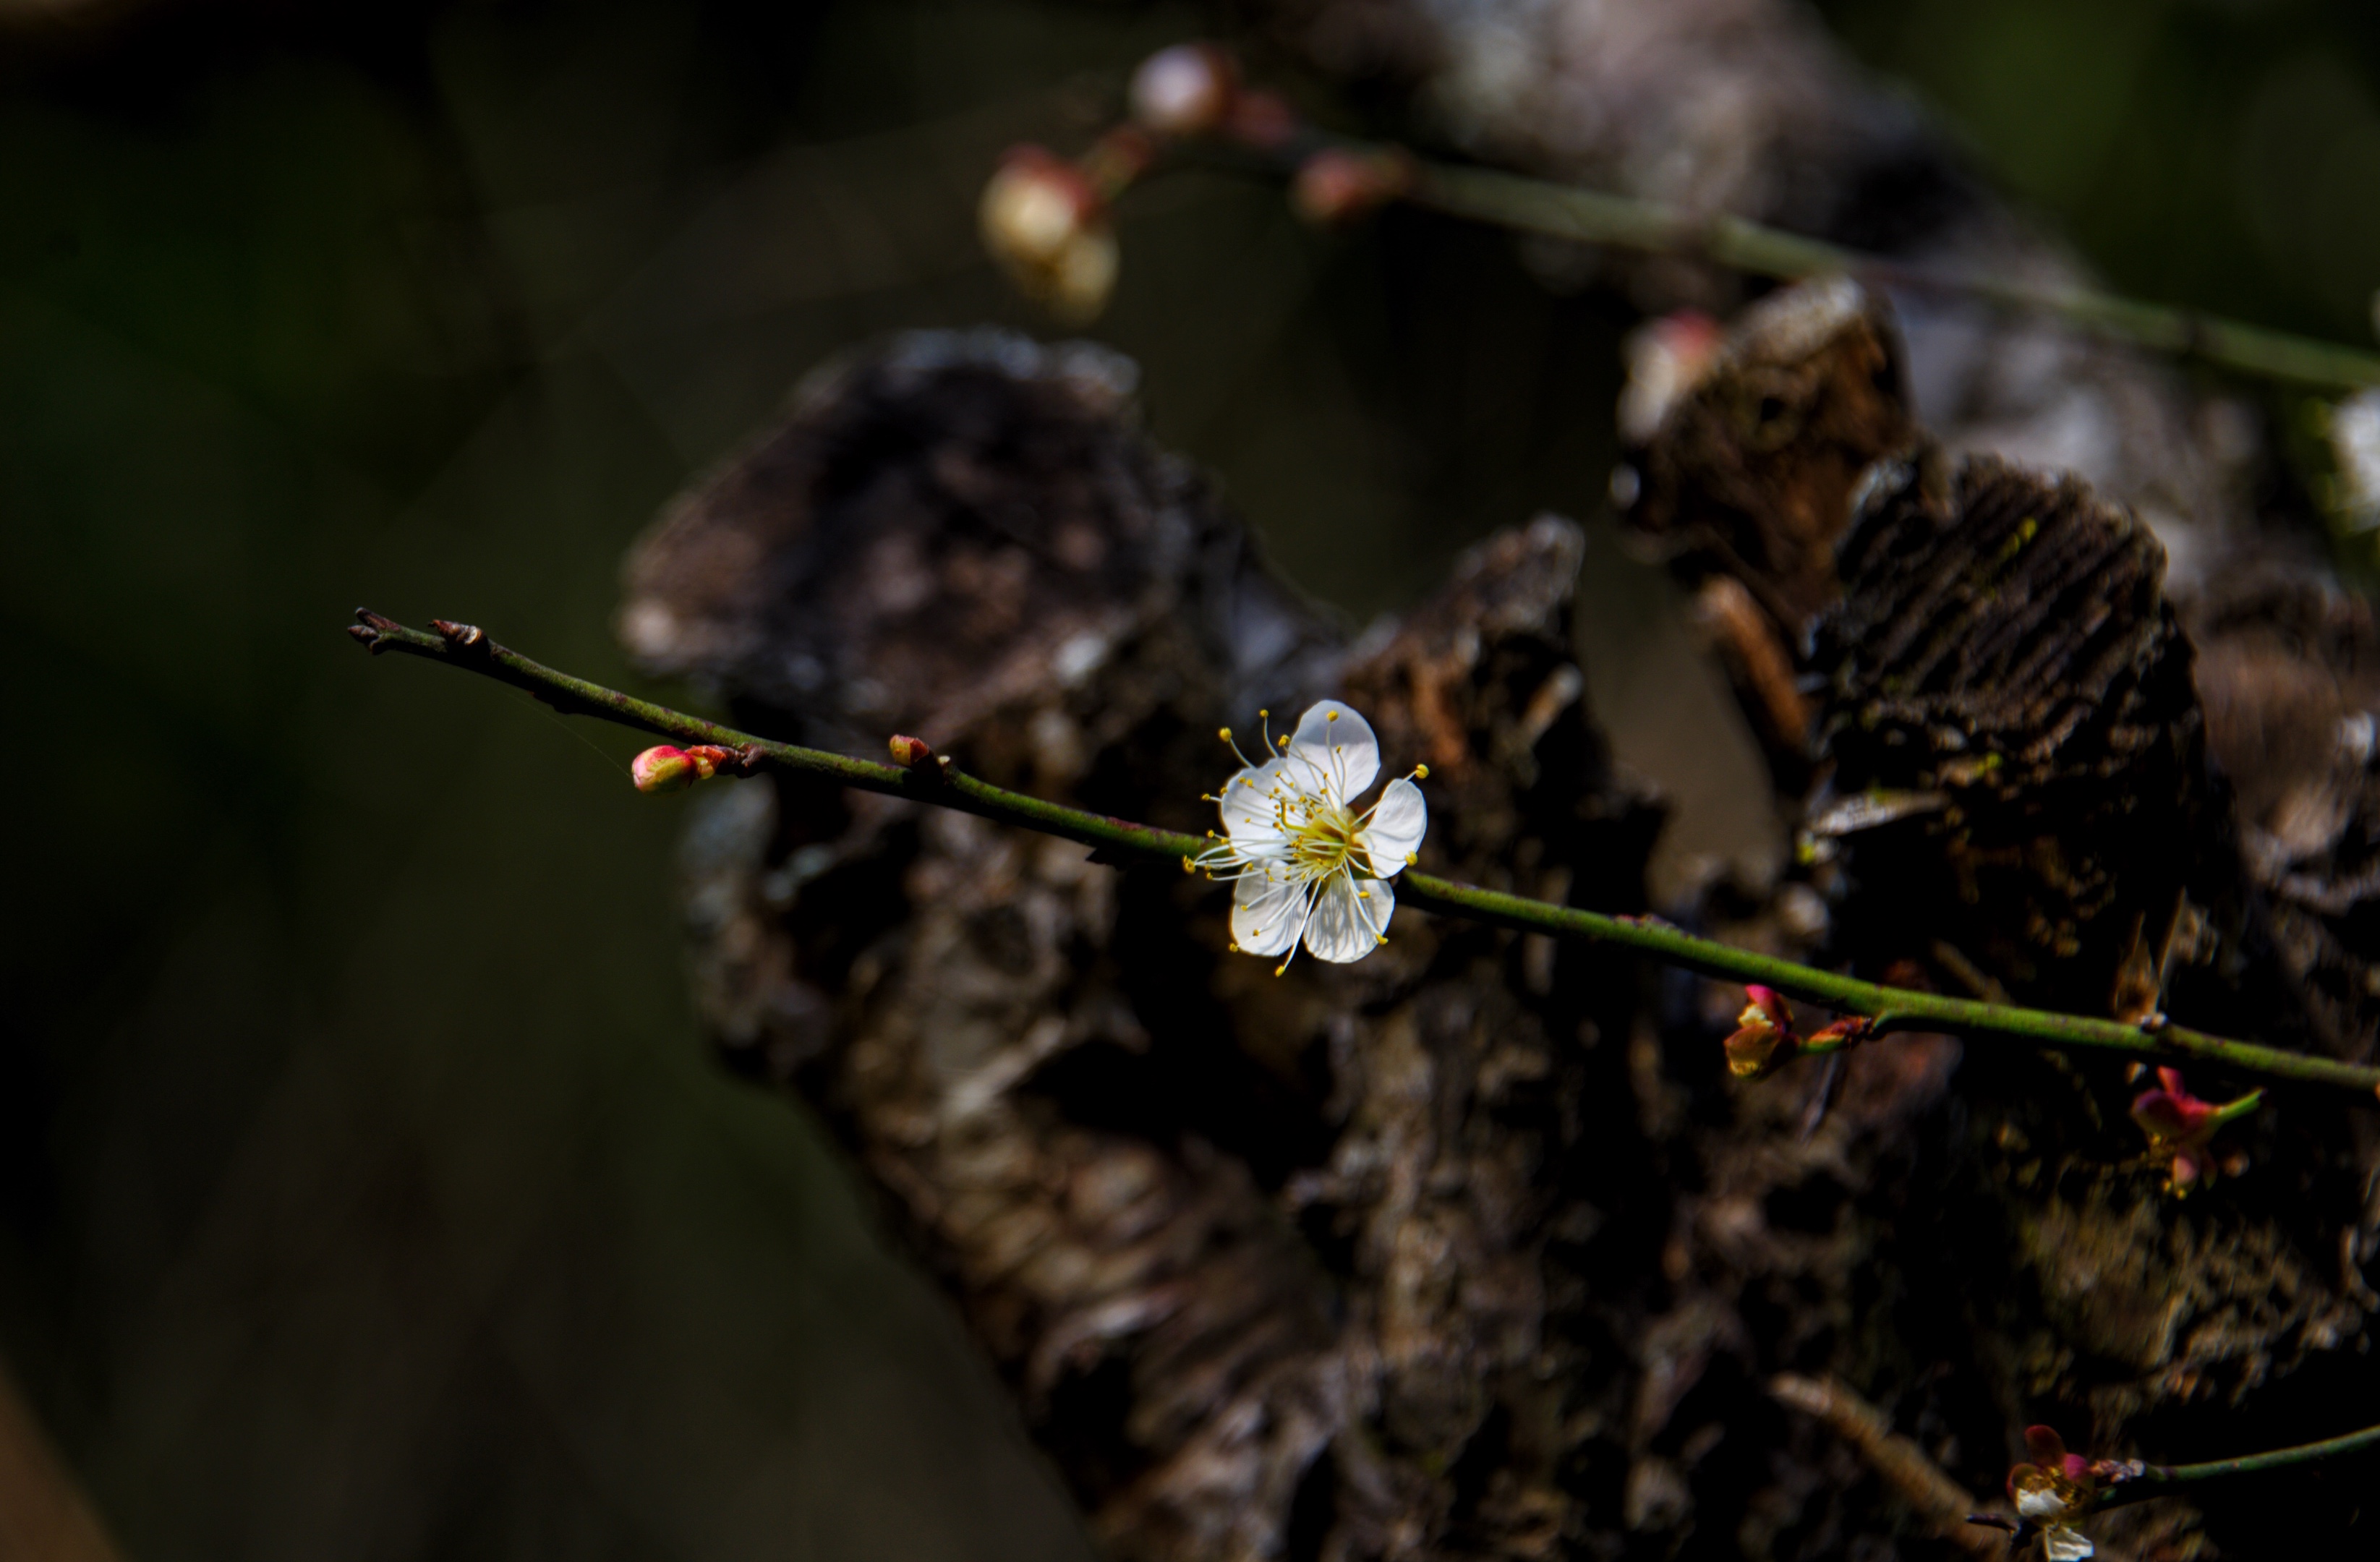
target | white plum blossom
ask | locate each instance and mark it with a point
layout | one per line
(1307, 864)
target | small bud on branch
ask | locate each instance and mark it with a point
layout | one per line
(1184, 91)
(664, 768)
(2182, 1126)
(1190, 96)
(1869, 1008)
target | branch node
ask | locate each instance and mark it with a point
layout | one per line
(462, 636)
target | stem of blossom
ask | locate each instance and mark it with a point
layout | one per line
(1559, 211)
(1114, 839)
(2153, 1479)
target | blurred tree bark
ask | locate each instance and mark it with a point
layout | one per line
(44, 1517)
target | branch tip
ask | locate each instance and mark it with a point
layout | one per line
(370, 628)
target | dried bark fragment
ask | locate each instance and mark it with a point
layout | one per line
(2015, 754)
(1273, 1265)
(1751, 469)
(1747, 479)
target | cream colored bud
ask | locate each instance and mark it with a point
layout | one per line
(1047, 230)
(1183, 91)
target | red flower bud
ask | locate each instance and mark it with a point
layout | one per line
(664, 769)
(2053, 1489)
(2181, 1125)
(1261, 119)
(1337, 186)
(1665, 357)
(1764, 1039)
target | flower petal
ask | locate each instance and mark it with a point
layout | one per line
(2061, 1543)
(1252, 810)
(1349, 918)
(1266, 911)
(1399, 820)
(1335, 751)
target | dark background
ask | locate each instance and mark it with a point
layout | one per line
(365, 1189)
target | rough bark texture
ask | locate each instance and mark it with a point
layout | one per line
(1472, 1250)
(1271, 1263)
(2014, 754)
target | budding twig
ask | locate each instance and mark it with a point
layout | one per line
(1622, 221)
(2157, 1480)
(1333, 178)
(933, 780)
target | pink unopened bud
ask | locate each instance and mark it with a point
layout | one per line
(1261, 119)
(908, 752)
(1046, 227)
(2181, 1125)
(1184, 91)
(664, 769)
(1337, 185)
(1763, 1037)
(1666, 358)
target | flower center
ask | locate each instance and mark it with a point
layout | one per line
(1322, 834)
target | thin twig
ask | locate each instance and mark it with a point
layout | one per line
(1939, 1499)
(2155, 1480)
(1559, 211)
(1114, 839)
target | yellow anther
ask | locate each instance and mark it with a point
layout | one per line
(1330, 716)
(1263, 715)
(1421, 772)
(1281, 969)
(1223, 732)
(1380, 937)
(1186, 866)
(1283, 740)
(1233, 949)
(1412, 857)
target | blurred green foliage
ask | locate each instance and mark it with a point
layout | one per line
(2218, 154)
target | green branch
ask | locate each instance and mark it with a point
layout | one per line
(1540, 206)
(2155, 1480)
(1523, 204)
(936, 780)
